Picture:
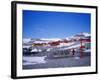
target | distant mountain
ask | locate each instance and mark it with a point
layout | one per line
(46, 40)
(51, 39)
(78, 36)
(83, 34)
(26, 40)
(86, 34)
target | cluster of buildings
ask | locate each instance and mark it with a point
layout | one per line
(82, 39)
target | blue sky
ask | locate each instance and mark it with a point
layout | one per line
(46, 24)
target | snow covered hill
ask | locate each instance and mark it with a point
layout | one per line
(62, 42)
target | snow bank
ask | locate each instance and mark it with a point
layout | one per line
(88, 50)
(34, 50)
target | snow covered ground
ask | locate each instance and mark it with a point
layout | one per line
(40, 62)
(33, 60)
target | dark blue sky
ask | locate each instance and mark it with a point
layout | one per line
(43, 24)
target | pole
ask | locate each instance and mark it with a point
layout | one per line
(81, 50)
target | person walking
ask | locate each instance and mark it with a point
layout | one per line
(73, 51)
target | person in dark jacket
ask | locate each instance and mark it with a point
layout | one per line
(73, 51)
